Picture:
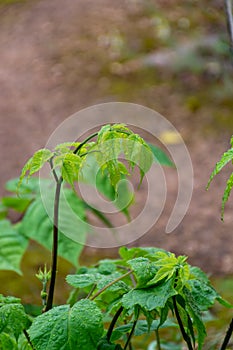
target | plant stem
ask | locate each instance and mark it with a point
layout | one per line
(91, 291)
(112, 324)
(49, 303)
(131, 333)
(85, 141)
(28, 338)
(158, 339)
(110, 284)
(227, 336)
(184, 334)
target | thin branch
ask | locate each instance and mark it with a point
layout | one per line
(85, 141)
(110, 284)
(131, 276)
(112, 324)
(229, 15)
(28, 338)
(91, 291)
(131, 333)
(228, 336)
(49, 304)
(53, 170)
(184, 334)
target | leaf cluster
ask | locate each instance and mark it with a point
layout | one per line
(225, 159)
(149, 284)
(114, 300)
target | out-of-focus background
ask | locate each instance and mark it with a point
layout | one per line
(58, 57)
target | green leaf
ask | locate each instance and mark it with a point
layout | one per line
(194, 311)
(69, 164)
(37, 225)
(65, 328)
(141, 328)
(226, 157)
(12, 247)
(23, 343)
(226, 194)
(65, 147)
(7, 342)
(104, 344)
(160, 156)
(104, 280)
(203, 294)
(3, 211)
(82, 280)
(28, 187)
(137, 152)
(198, 274)
(13, 319)
(106, 267)
(90, 174)
(8, 300)
(99, 215)
(149, 298)
(224, 302)
(143, 269)
(16, 203)
(131, 253)
(35, 163)
(171, 266)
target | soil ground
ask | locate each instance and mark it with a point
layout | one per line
(58, 57)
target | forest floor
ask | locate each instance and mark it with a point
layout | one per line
(58, 57)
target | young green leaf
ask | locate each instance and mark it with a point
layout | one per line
(226, 194)
(66, 147)
(144, 270)
(226, 157)
(35, 163)
(69, 164)
(65, 328)
(131, 253)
